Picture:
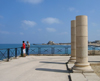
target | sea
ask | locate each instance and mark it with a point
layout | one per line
(37, 49)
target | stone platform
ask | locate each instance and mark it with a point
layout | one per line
(43, 68)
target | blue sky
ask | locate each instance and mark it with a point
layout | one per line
(40, 21)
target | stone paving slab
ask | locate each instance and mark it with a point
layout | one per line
(77, 77)
(43, 68)
(91, 76)
(70, 66)
(84, 77)
(94, 58)
(35, 68)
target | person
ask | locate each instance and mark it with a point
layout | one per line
(28, 47)
(24, 48)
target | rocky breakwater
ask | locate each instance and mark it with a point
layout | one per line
(52, 43)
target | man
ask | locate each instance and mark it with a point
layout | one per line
(24, 48)
(28, 47)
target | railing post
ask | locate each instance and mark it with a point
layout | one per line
(21, 51)
(93, 50)
(66, 50)
(39, 50)
(52, 50)
(8, 54)
(15, 52)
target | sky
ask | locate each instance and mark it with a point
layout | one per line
(40, 21)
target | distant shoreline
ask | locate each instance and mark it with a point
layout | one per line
(58, 44)
(91, 44)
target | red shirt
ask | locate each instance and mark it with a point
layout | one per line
(23, 45)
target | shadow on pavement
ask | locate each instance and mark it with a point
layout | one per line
(52, 70)
(52, 62)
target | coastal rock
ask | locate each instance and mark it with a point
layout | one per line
(51, 43)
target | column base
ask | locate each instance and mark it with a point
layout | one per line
(82, 68)
(83, 71)
(72, 60)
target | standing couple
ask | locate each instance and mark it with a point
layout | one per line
(27, 47)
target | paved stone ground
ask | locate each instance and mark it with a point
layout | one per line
(94, 60)
(35, 68)
(95, 64)
(43, 68)
(96, 69)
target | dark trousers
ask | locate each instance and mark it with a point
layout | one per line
(27, 51)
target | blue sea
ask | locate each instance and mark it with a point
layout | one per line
(37, 49)
(2, 46)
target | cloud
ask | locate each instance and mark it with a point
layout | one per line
(1, 16)
(32, 1)
(26, 24)
(21, 33)
(63, 33)
(94, 24)
(4, 32)
(39, 29)
(71, 9)
(51, 29)
(50, 20)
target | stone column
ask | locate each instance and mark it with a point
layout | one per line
(73, 41)
(82, 63)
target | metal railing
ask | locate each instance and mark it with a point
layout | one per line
(93, 50)
(36, 50)
(50, 50)
(45, 50)
(9, 52)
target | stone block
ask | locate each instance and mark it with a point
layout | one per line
(82, 52)
(91, 77)
(81, 31)
(81, 20)
(77, 77)
(70, 65)
(73, 23)
(81, 41)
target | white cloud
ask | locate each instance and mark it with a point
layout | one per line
(26, 24)
(21, 33)
(1, 16)
(94, 24)
(50, 20)
(4, 32)
(63, 33)
(39, 29)
(71, 9)
(32, 1)
(51, 29)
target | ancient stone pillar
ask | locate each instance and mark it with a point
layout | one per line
(82, 45)
(73, 41)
